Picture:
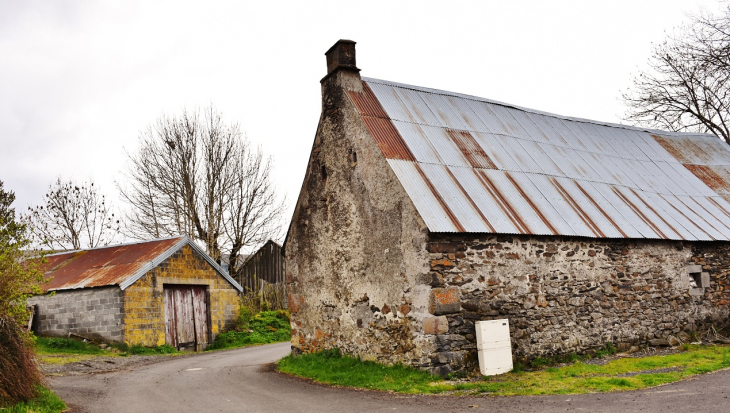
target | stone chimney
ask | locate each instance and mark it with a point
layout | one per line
(341, 57)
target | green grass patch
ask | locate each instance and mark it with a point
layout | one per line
(46, 402)
(152, 351)
(331, 367)
(263, 328)
(621, 374)
(60, 345)
(63, 358)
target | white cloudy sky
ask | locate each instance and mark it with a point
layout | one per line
(80, 79)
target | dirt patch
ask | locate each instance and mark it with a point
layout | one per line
(647, 352)
(54, 365)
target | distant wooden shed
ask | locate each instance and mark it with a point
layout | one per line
(266, 264)
(166, 291)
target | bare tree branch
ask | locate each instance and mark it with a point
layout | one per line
(74, 216)
(688, 85)
(198, 176)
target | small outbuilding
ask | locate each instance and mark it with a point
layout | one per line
(266, 264)
(165, 291)
(424, 211)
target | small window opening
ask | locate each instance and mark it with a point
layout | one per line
(324, 173)
(698, 280)
(695, 280)
(353, 158)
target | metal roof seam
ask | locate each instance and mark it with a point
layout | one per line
(528, 110)
(519, 138)
(639, 213)
(446, 209)
(553, 176)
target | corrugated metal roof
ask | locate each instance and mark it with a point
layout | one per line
(115, 265)
(475, 165)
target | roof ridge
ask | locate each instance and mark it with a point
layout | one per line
(115, 245)
(530, 110)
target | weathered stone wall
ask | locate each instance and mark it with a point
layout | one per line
(144, 318)
(355, 245)
(91, 312)
(565, 295)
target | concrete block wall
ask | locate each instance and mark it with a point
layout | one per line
(92, 312)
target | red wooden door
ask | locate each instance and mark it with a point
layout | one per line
(186, 316)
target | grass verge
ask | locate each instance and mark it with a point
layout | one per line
(621, 374)
(263, 328)
(60, 350)
(60, 345)
(153, 351)
(46, 402)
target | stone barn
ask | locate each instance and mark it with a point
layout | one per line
(423, 211)
(166, 291)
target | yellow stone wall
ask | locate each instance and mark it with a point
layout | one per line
(144, 317)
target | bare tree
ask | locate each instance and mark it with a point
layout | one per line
(74, 216)
(688, 86)
(198, 176)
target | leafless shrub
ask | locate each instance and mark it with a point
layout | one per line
(266, 297)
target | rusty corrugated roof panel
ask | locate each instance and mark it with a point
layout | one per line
(475, 165)
(114, 265)
(102, 266)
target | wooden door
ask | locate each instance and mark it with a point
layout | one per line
(186, 316)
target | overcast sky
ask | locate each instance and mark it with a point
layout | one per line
(80, 79)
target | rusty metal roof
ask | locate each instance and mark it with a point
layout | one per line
(120, 265)
(475, 165)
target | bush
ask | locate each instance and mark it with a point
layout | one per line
(20, 376)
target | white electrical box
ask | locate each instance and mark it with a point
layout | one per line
(494, 347)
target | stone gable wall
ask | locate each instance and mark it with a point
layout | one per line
(565, 295)
(356, 244)
(89, 312)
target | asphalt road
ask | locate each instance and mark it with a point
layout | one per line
(243, 380)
